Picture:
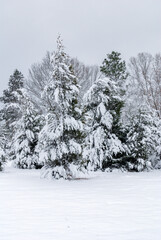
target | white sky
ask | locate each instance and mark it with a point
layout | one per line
(90, 29)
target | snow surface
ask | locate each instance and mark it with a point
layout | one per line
(106, 206)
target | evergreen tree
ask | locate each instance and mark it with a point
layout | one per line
(61, 137)
(105, 145)
(142, 141)
(26, 136)
(104, 102)
(114, 68)
(10, 113)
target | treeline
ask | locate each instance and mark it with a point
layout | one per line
(69, 118)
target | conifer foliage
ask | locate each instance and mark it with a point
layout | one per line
(2, 159)
(114, 68)
(104, 146)
(142, 140)
(2, 156)
(10, 112)
(113, 128)
(103, 105)
(2, 147)
(61, 137)
(26, 136)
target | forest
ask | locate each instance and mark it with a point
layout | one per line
(68, 118)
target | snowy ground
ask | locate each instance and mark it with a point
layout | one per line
(107, 206)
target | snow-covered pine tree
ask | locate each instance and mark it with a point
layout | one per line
(61, 137)
(103, 103)
(26, 135)
(143, 139)
(114, 68)
(105, 145)
(10, 111)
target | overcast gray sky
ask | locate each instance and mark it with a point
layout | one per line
(89, 28)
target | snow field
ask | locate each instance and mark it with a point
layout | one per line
(106, 206)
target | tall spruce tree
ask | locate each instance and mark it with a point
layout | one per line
(104, 102)
(61, 137)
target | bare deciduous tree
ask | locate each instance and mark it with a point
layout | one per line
(145, 75)
(86, 75)
(40, 75)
